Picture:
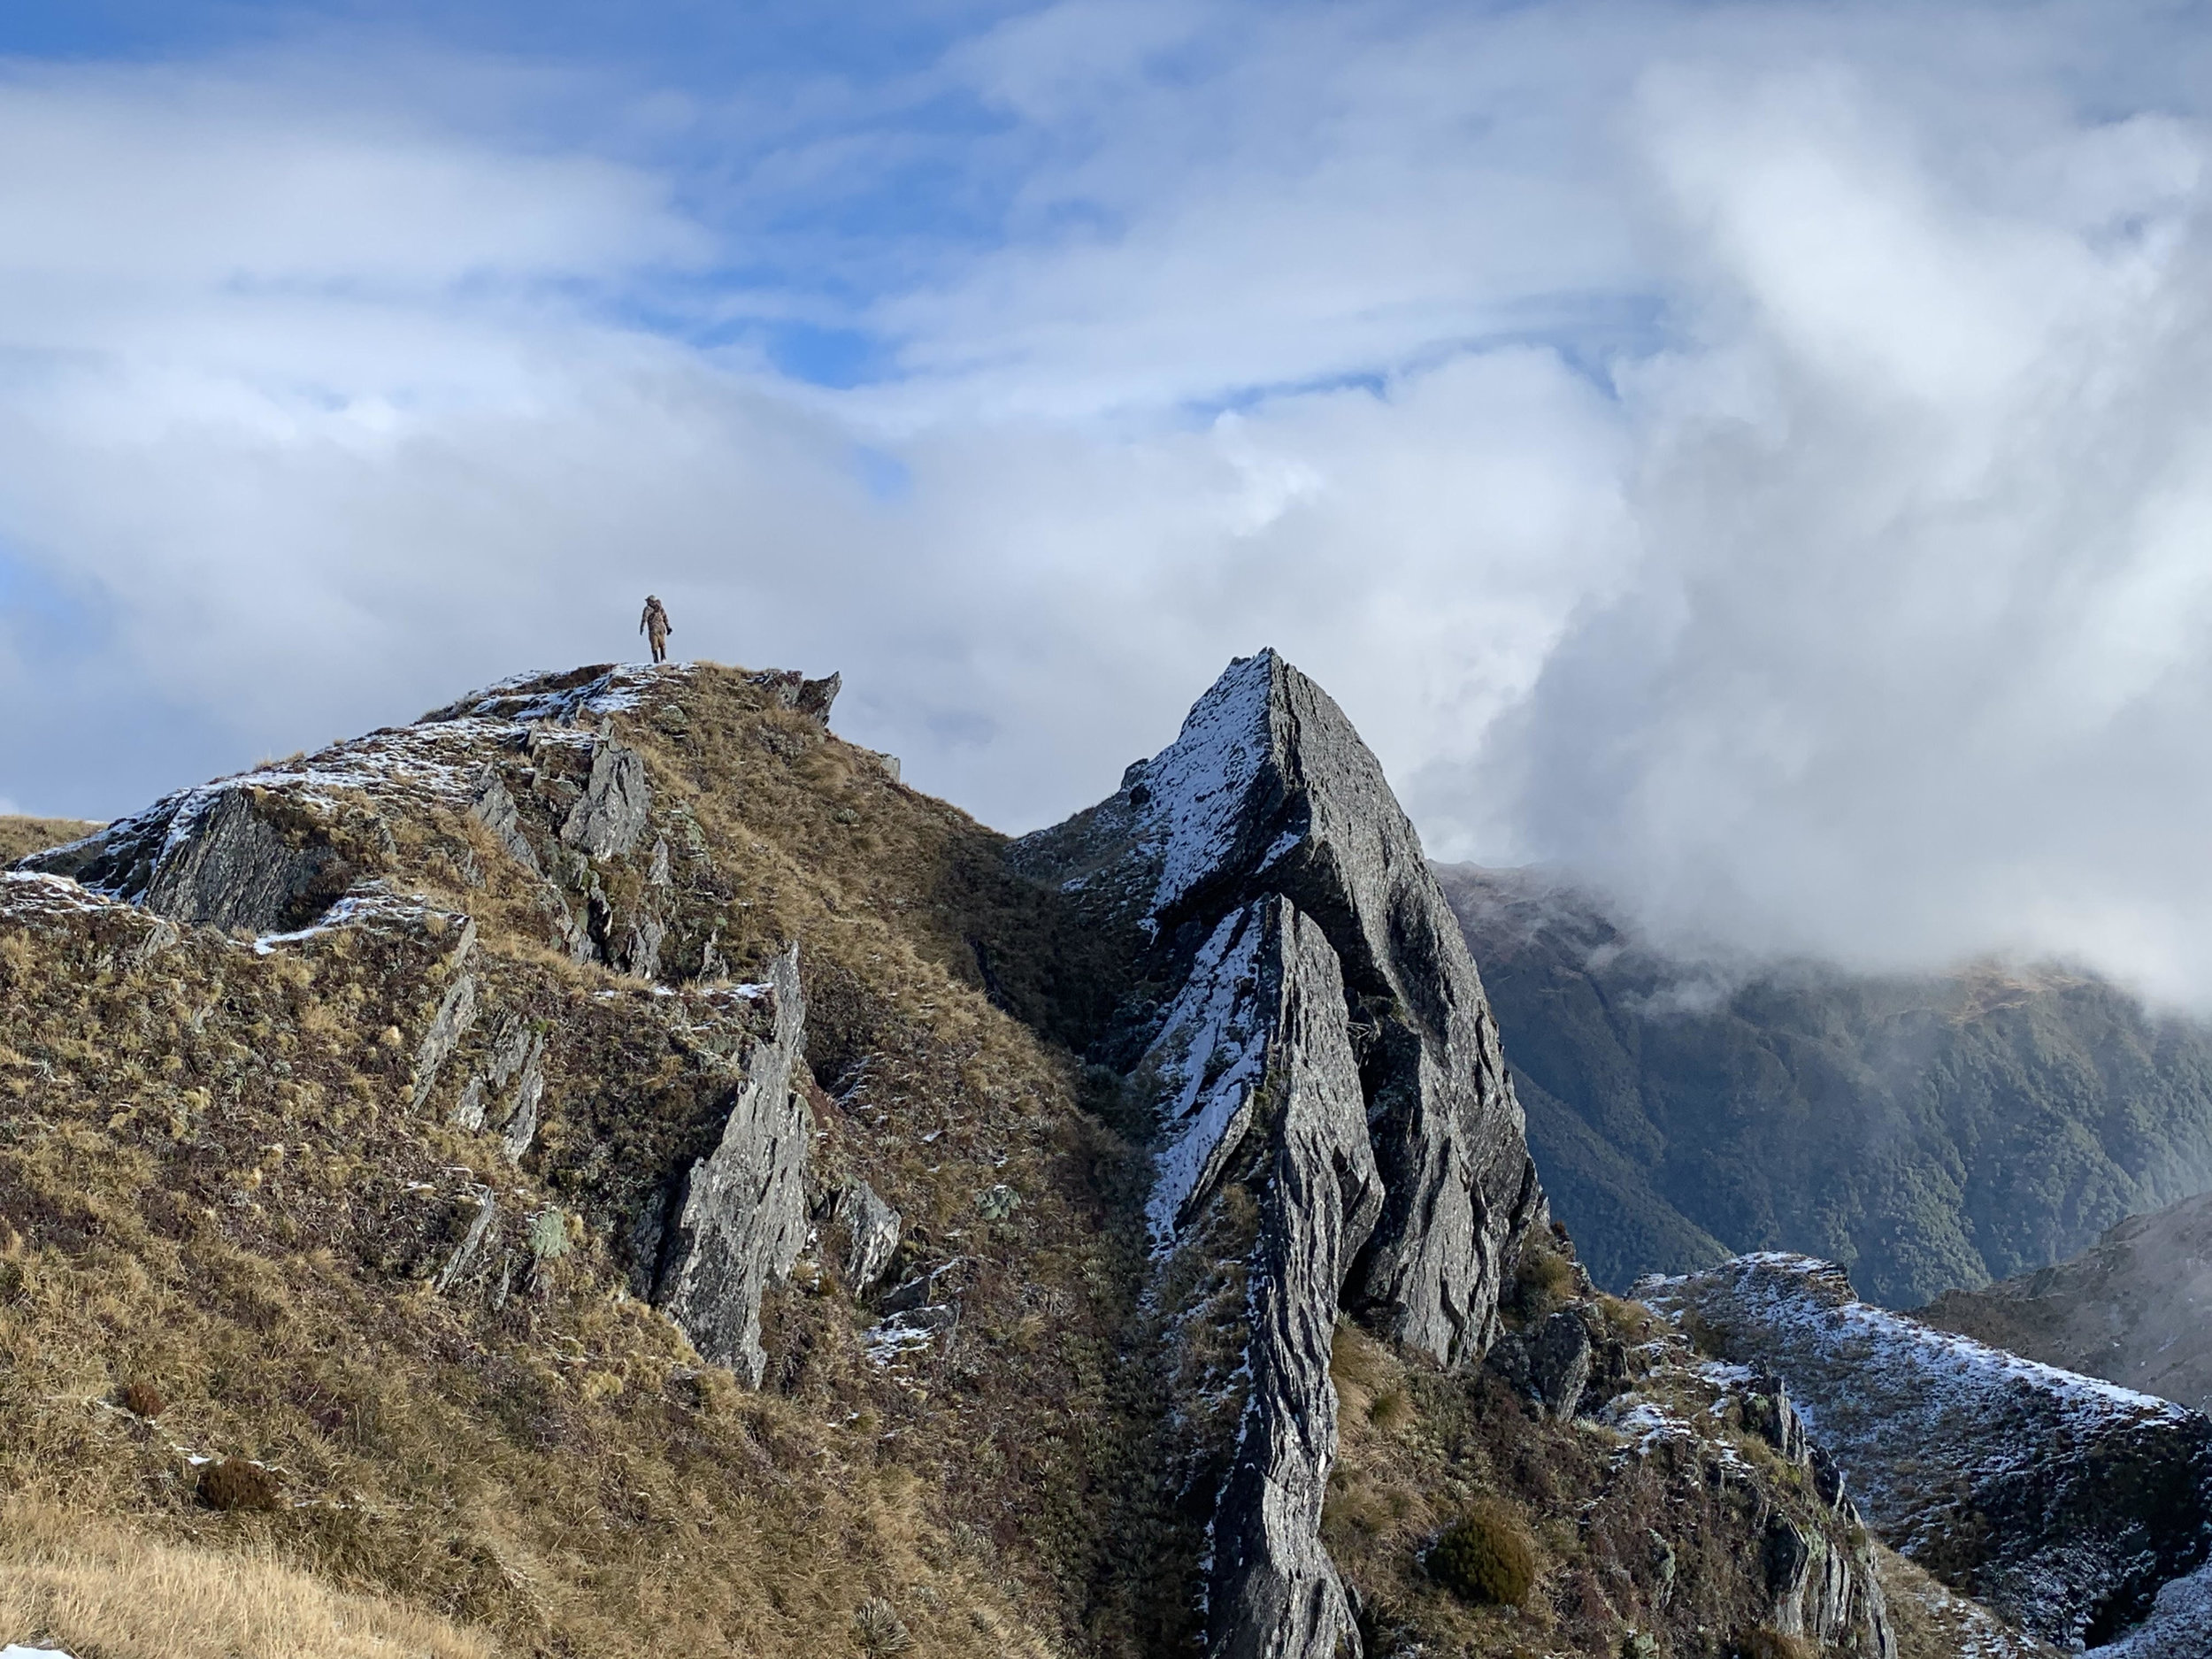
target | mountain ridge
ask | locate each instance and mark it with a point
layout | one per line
(609, 1166)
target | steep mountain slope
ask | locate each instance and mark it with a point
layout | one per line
(607, 1167)
(1927, 1132)
(2133, 1308)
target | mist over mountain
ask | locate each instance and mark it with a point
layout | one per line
(1926, 1132)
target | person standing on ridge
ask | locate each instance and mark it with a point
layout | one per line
(653, 626)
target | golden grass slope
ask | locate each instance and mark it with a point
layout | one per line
(19, 836)
(94, 1589)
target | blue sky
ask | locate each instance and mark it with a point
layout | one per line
(1752, 456)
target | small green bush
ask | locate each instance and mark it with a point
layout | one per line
(548, 1235)
(1486, 1557)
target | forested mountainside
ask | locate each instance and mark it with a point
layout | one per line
(1927, 1132)
(2133, 1308)
(606, 1169)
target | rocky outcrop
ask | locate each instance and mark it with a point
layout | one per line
(809, 697)
(1270, 790)
(871, 1229)
(2063, 1501)
(1291, 1135)
(230, 856)
(537, 762)
(1316, 1042)
(741, 1220)
(504, 1092)
(611, 815)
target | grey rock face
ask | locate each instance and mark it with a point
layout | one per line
(1270, 1001)
(212, 857)
(1268, 790)
(1559, 1364)
(2061, 1501)
(871, 1232)
(503, 1093)
(495, 808)
(743, 1218)
(457, 1012)
(610, 818)
(1821, 1593)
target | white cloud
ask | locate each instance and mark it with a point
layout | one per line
(1756, 454)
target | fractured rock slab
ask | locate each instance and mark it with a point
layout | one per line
(742, 1219)
(1258, 1054)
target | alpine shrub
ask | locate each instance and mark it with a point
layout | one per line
(1486, 1558)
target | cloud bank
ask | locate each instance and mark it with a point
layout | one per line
(1758, 457)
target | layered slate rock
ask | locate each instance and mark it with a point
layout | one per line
(1257, 1055)
(1336, 1131)
(2063, 1501)
(741, 1220)
(1270, 790)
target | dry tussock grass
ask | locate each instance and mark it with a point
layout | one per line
(95, 1589)
(22, 836)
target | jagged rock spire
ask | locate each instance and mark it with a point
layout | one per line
(1270, 790)
(1325, 1048)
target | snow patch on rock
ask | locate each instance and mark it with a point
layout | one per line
(1209, 1057)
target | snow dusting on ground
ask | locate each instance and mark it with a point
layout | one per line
(1199, 783)
(2179, 1625)
(1209, 1057)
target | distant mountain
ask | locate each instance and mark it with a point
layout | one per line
(1926, 1132)
(2131, 1310)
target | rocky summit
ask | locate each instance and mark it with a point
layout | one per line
(1304, 1018)
(606, 1168)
